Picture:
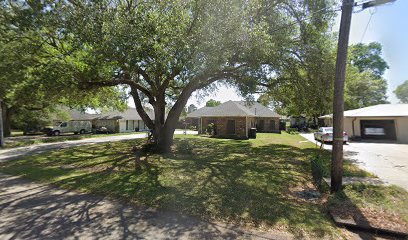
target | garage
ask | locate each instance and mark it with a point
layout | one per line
(378, 129)
(388, 122)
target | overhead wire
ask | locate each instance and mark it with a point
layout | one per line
(368, 23)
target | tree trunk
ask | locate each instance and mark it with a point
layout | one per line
(163, 127)
(7, 113)
(165, 139)
(1, 125)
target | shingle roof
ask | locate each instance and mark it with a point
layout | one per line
(197, 113)
(129, 114)
(234, 109)
(258, 109)
(79, 115)
(381, 110)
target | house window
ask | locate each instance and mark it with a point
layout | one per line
(231, 127)
(127, 125)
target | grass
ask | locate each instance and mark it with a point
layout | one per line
(13, 143)
(253, 182)
(385, 206)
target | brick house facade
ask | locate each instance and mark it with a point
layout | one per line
(235, 119)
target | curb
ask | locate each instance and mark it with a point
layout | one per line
(350, 223)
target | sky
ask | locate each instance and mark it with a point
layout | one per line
(388, 26)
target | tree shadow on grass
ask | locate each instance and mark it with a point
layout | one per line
(224, 180)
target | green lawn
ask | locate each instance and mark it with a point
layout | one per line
(383, 206)
(13, 143)
(254, 182)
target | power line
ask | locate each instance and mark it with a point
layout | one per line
(368, 23)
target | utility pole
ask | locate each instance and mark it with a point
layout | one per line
(338, 101)
(1, 126)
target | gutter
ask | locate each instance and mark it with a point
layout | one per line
(352, 125)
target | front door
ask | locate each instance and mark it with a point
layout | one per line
(231, 127)
(261, 125)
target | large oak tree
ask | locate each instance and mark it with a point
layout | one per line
(163, 50)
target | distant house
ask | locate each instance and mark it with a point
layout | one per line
(115, 121)
(382, 122)
(127, 121)
(235, 118)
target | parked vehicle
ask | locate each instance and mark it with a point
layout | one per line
(102, 130)
(325, 134)
(76, 127)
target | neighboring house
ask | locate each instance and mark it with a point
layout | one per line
(193, 118)
(235, 118)
(115, 121)
(384, 122)
(127, 121)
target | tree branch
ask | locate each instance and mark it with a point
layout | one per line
(116, 82)
(139, 108)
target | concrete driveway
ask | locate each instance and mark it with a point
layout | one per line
(389, 161)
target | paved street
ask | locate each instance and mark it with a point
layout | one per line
(36, 211)
(6, 154)
(389, 161)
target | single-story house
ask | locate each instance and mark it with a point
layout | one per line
(235, 118)
(383, 122)
(115, 121)
(127, 121)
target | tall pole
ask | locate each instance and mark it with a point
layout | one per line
(338, 101)
(1, 125)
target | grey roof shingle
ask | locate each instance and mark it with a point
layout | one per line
(129, 114)
(234, 109)
(258, 109)
(79, 115)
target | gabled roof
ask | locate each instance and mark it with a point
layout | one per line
(129, 114)
(234, 109)
(197, 113)
(258, 109)
(79, 115)
(381, 110)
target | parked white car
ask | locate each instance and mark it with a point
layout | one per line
(325, 134)
(76, 127)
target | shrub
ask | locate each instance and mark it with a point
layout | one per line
(318, 170)
(211, 129)
(292, 130)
